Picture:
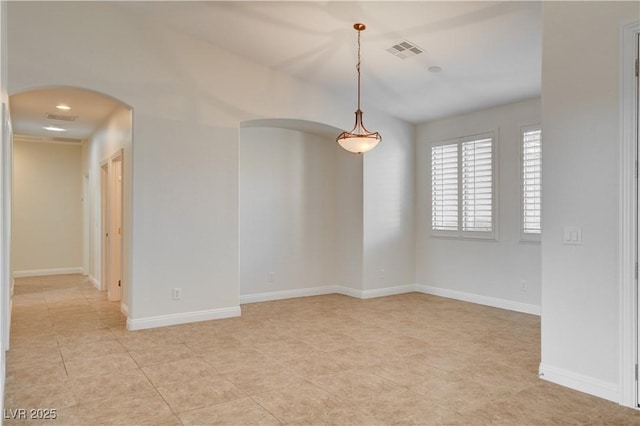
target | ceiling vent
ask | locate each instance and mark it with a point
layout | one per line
(68, 140)
(405, 49)
(62, 117)
(28, 138)
(45, 139)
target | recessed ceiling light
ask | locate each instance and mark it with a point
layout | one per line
(63, 107)
(435, 69)
(54, 129)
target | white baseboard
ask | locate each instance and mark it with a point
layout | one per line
(376, 292)
(43, 272)
(329, 289)
(187, 317)
(286, 294)
(580, 382)
(347, 291)
(124, 309)
(390, 291)
(479, 299)
(95, 282)
(182, 318)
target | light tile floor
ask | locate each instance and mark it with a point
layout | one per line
(408, 359)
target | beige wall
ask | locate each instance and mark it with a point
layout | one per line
(47, 208)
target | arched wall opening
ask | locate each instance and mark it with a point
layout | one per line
(60, 213)
(300, 210)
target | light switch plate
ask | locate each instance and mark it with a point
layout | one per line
(572, 235)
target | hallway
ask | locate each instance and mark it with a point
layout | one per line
(407, 359)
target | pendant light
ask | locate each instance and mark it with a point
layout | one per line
(359, 140)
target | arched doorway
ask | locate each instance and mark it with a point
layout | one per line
(69, 217)
(300, 211)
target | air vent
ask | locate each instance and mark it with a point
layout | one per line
(28, 138)
(68, 140)
(405, 49)
(45, 139)
(62, 117)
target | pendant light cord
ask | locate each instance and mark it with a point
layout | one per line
(358, 68)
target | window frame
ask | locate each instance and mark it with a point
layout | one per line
(527, 237)
(459, 233)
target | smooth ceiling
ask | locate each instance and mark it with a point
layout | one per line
(489, 52)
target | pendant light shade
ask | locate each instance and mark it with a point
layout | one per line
(359, 140)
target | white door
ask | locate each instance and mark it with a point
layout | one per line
(115, 270)
(86, 214)
(104, 227)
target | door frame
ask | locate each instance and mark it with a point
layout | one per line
(104, 225)
(86, 227)
(6, 189)
(115, 225)
(629, 394)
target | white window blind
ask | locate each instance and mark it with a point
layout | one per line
(477, 185)
(531, 181)
(462, 187)
(444, 187)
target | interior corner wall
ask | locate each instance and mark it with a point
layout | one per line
(481, 270)
(287, 211)
(110, 138)
(349, 211)
(47, 200)
(581, 137)
(389, 211)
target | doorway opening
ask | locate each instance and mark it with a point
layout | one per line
(84, 219)
(111, 226)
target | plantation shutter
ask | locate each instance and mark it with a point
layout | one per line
(531, 181)
(477, 185)
(444, 187)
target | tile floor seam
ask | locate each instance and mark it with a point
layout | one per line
(282, 422)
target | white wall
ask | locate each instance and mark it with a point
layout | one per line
(188, 98)
(349, 213)
(581, 118)
(47, 206)
(389, 209)
(481, 268)
(290, 211)
(5, 207)
(109, 139)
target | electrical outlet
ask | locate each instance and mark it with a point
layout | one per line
(271, 277)
(382, 274)
(523, 285)
(177, 293)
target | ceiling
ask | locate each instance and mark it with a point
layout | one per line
(489, 54)
(32, 111)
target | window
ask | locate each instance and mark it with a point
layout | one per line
(444, 187)
(531, 175)
(462, 187)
